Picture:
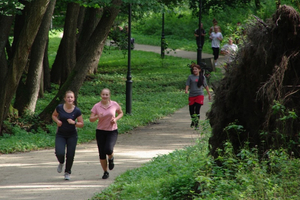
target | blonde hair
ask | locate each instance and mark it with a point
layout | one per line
(105, 89)
(69, 91)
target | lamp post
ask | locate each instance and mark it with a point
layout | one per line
(129, 81)
(163, 37)
(199, 50)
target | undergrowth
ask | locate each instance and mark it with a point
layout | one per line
(191, 173)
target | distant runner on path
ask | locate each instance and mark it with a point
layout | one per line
(195, 83)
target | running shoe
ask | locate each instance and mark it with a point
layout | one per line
(111, 164)
(59, 167)
(105, 175)
(67, 176)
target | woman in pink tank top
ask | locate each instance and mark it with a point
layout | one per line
(107, 129)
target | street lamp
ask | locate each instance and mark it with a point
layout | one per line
(199, 50)
(163, 37)
(129, 81)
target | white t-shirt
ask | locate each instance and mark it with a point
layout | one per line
(215, 42)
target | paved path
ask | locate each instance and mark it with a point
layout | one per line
(178, 53)
(33, 175)
(183, 54)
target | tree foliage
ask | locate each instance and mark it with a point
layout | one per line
(79, 52)
(11, 7)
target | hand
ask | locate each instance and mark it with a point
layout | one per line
(59, 123)
(186, 92)
(113, 120)
(71, 121)
(209, 97)
(98, 116)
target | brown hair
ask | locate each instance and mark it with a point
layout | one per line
(201, 77)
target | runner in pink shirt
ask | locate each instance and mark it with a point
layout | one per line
(107, 128)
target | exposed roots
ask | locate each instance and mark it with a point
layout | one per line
(266, 70)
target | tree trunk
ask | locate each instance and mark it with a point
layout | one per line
(27, 93)
(46, 70)
(66, 55)
(80, 22)
(20, 56)
(5, 26)
(88, 59)
(92, 18)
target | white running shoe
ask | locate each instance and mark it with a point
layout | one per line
(59, 167)
(67, 176)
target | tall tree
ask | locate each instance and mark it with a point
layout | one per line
(89, 58)
(28, 91)
(20, 56)
(87, 26)
(90, 21)
(66, 55)
(5, 25)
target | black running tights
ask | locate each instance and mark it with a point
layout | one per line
(195, 109)
(106, 141)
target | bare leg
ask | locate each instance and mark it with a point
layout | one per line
(110, 156)
(103, 163)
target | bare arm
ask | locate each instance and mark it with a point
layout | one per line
(207, 90)
(55, 118)
(120, 114)
(79, 122)
(186, 89)
(93, 117)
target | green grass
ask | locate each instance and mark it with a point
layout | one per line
(191, 174)
(156, 82)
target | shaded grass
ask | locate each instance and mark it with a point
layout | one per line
(157, 91)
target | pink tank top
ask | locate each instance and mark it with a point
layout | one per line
(106, 114)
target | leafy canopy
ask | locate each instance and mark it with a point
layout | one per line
(11, 7)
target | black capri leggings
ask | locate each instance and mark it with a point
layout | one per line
(216, 53)
(195, 109)
(106, 141)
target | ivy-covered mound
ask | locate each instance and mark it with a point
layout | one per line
(260, 90)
